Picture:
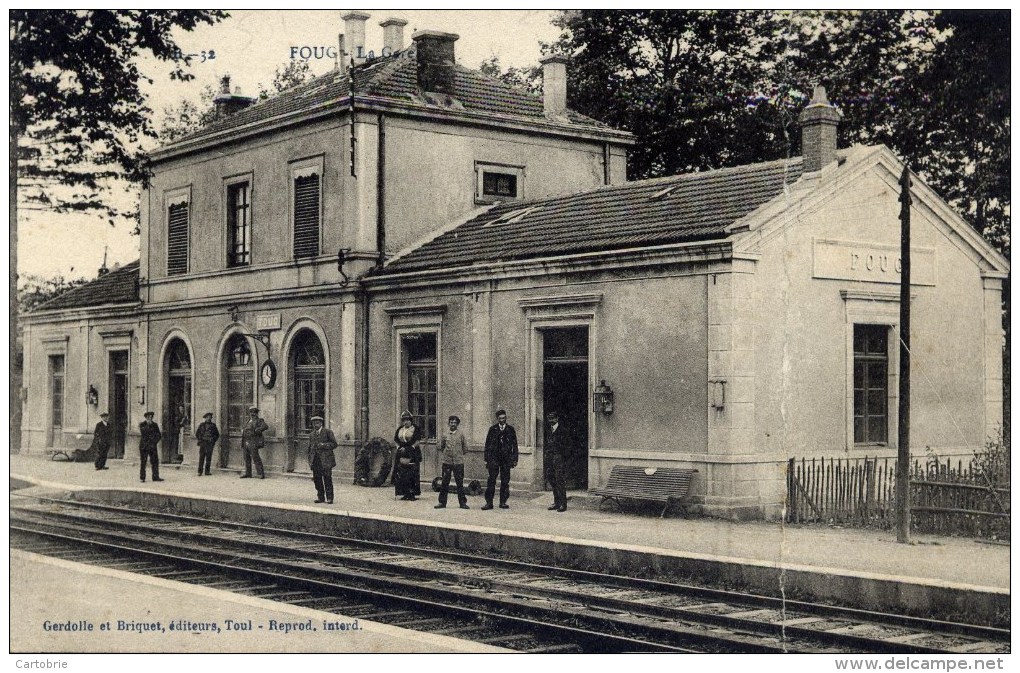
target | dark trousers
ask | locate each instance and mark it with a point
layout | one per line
(204, 458)
(458, 476)
(503, 471)
(251, 455)
(151, 455)
(323, 478)
(554, 475)
(101, 457)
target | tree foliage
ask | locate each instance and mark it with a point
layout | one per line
(705, 89)
(290, 74)
(76, 106)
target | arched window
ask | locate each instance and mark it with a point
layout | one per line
(178, 413)
(240, 370)
(308, 374)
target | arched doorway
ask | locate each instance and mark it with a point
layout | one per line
(308, 385)
(177, 412)
(239, 369)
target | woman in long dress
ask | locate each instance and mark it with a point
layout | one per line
(407, 459)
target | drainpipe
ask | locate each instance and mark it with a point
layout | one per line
(380, 193)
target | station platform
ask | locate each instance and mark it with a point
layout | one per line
(945, 576)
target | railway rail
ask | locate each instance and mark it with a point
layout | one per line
(519, 606)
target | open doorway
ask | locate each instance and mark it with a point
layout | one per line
(118, 403)
(565, 390)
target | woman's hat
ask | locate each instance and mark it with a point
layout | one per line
(405, 414)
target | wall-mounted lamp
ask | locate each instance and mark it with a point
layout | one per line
(718, 393)
(341, 259)
(92, 396)
(141, 394)
(602, 399)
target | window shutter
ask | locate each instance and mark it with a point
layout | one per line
(177, 240)
(306, 216)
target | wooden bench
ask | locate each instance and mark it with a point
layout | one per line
(654, 484)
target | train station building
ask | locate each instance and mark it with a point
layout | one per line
(408, 233)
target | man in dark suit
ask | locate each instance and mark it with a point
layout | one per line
(207, 435)
(150, 436)
(101, 437)
(500, 458)
(252, 441)
(321, 459)
(556, 446)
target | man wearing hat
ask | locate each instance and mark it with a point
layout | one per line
(252, 442)
(101, 440)
(321, 459)
(150, 436)
(453, 447)
(207, 435)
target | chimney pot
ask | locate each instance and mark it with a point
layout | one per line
(554, 84)
(225, 84)
(228, 103)
(393, 35)
(354, 29)
(436, 60)
(819, 122)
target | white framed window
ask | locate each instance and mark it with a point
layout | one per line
(237, 192)
(306, 206)
(498, 182)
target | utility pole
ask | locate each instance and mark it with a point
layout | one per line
(903, 453)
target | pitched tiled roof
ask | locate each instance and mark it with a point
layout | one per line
(395, 77)
(117, 287)
(677, 209)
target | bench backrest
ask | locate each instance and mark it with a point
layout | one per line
(661, 481)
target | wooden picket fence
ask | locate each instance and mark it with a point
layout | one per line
(946, 498)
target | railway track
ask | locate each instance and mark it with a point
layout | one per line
(519, 606)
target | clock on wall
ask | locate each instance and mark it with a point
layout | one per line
(268, 373)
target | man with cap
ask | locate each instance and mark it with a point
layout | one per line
(252, 442)
(453, 447)
(150, 436)
(557, 441)
(101, 440)
(321, 459)
(207, 435)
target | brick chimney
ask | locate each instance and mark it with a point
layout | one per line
(554, 84)
(435, 60)
(393, 35)
(228, 103)
(818, 124)
(354, 34)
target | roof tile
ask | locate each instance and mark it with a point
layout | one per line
(117, 287)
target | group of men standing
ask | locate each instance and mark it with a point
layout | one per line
(501, 454)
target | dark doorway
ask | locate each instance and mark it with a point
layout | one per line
(177, 415)
(565, 390)
(118, 401)
(240, 375)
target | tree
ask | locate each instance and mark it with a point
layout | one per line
(529, 79)
(286, 76)
(77, 113)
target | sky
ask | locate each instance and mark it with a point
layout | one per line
(249, 46)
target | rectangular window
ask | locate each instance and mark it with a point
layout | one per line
(306, 216)
(422, 391)
(871, 384)
(177, 239)
(57, 392)
(239, 224)
(502, 185)
(498, 182)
